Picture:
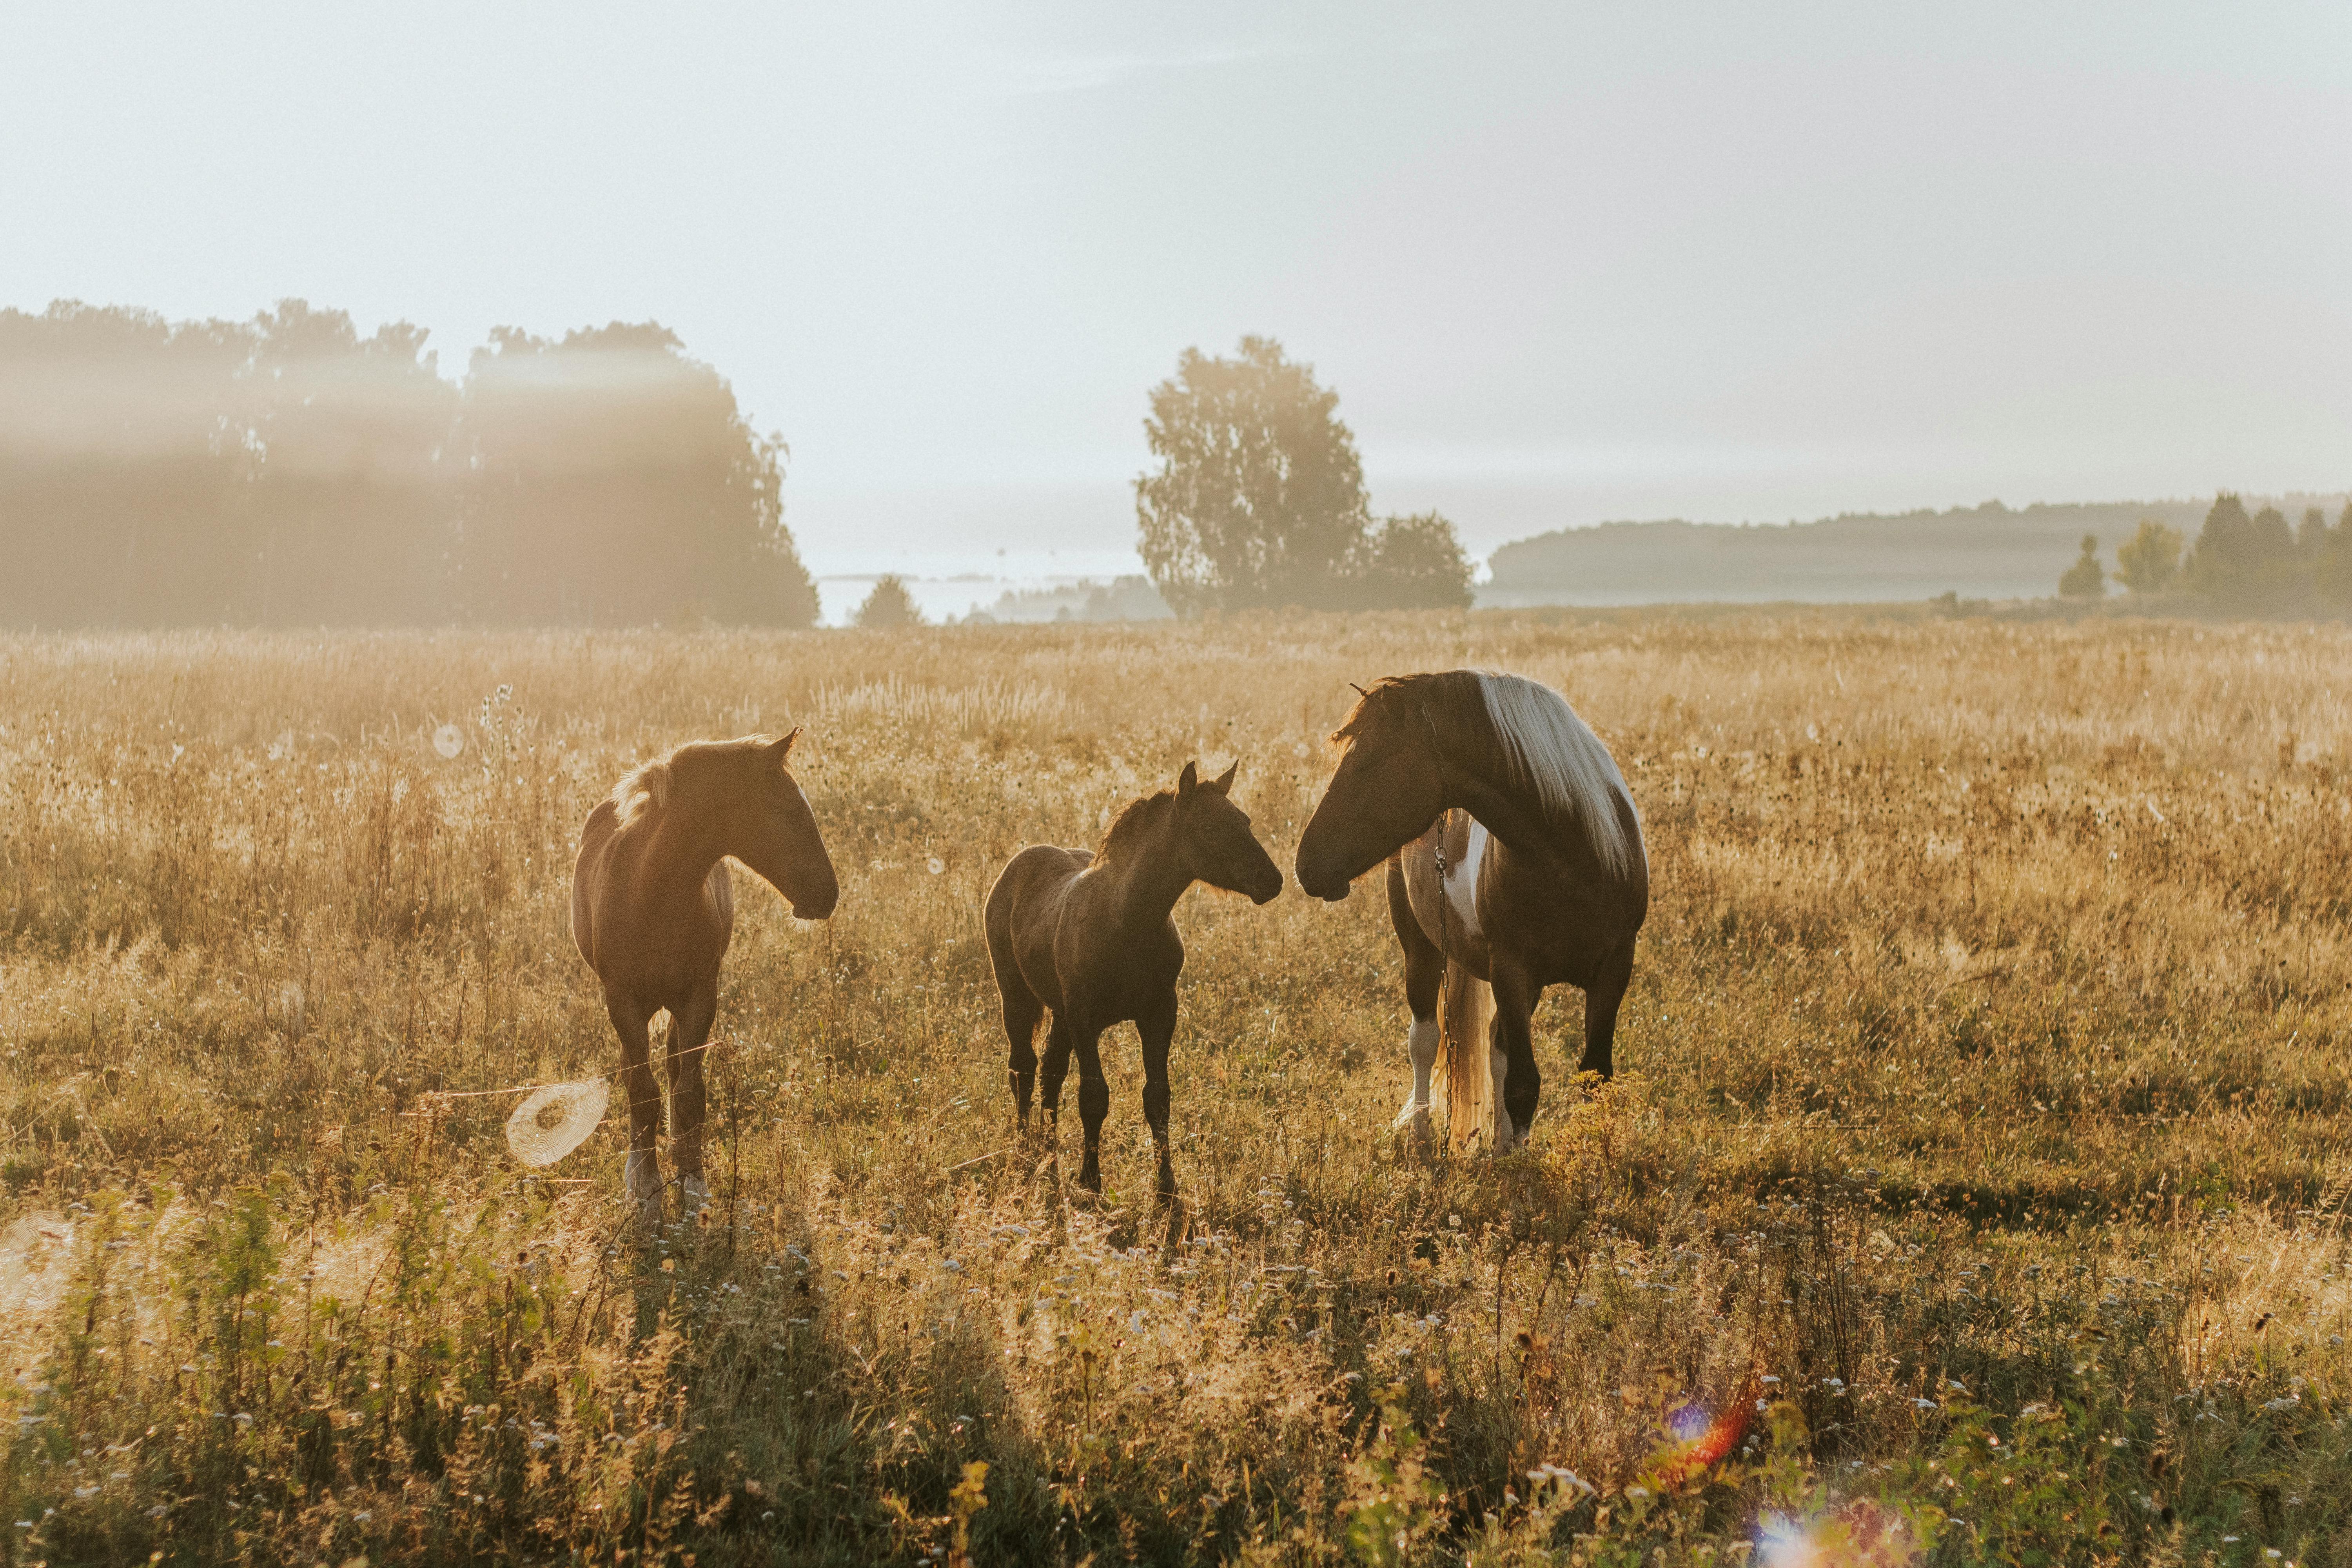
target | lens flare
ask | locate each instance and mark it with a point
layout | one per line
(1859, 1534)
(1701, 1440)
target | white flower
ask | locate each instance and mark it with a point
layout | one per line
(1564, 1477)
(935, 865)
(448, 740)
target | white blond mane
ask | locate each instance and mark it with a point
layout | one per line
(1559, 755)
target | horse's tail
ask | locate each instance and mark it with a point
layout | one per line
(1465, 1014)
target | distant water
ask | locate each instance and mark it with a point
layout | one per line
(951, 585)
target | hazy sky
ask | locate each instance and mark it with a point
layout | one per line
(1562, 263)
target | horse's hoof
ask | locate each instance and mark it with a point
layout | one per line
(693, 1194)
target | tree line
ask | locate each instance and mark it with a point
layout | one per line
(286, 470)
(2253, 564)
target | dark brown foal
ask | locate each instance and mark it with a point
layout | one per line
(1091, 935)
(653, 913)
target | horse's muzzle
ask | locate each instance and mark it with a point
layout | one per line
(1330, 889)
(819, 904)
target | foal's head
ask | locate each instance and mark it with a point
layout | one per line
(1210, 838)
(739, 798)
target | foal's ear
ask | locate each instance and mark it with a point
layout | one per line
(1188, 781)
(1223, 783)
(779, 750)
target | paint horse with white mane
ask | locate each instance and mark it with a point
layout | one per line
(653, 911)
(1515, 861)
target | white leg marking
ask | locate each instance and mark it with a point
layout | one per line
(1421, 1049)
(641, 1178)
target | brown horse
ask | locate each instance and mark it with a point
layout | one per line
(653, 913)
(1090, 934)
(1515, 861)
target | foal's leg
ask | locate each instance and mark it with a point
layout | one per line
(689, 1035)
(1601, 999)
(1056, 1068)
(1519, 1081)
(1022, 1011)
(1158, 1028)
(641, 1171)
(1094, 1101)
(1425, 980)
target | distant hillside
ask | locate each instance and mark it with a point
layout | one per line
(1988, 551)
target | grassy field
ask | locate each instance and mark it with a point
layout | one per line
(1974, 1179)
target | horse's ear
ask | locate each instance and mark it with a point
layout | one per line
(779, 749)
(1223, 783)
(1188, 781)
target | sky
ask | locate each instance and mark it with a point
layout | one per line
(1562, 263)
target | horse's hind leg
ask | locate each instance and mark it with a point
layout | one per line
(1022, 1011)
(641, 1171)
(1424, 982)
(1518, 1082)
(1158, 1028)
(689, 1038)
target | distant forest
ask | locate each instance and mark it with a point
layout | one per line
(288, 471)
(1989, 552)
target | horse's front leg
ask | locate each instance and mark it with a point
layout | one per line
(1424, 984)
(1518, 1082)
(689, 1038)
(641, 1170)
(1094, 1098)
(1158, 1028)
(1601, 1000)
(1053, 1070)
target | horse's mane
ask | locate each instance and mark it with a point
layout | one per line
(1557, 752)
(1541, 741)
(1133, 823)
(644, 790)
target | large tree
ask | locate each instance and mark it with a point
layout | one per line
(1259, 498)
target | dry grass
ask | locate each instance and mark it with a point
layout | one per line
(1986, 1068)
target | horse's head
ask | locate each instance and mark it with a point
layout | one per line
(1214, 838)
(771, 829)
(1386, 791)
